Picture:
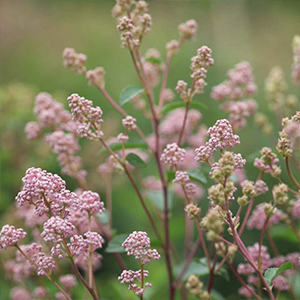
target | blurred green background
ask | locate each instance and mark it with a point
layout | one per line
(33, 36)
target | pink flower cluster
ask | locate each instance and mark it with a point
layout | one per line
(240, 84)
(129, 277)
(221, 137)
(258, 218)
(47, 192)
(188, 30)
(173, 154)
(10, 236)
(138, 244)
(89, 117)
(74, 60)
(90, 202)
(268, 162)
(129, 123)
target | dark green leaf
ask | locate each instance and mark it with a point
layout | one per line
(271, 273)
(130, 92)
(173, 105)
(197, 175)
(128, 145)
(115, 244)
(284, 233)
(157, 199)
(135, 161)
(215, 295)
(154, 60)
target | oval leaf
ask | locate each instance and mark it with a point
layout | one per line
(179, 104)
(135, 161)
(197, 175)
(271, 273)
(154, 60)
(115, 244)
(130, 92)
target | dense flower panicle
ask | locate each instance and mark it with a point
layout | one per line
(32, 130)
(129, 277)
(239, 161)
(172, 47)
(258, 218)
(138, 244)
(30, 217)
(173, 154)
(221, 135)
(188, 30)
(68, 280)
(240, 84)
(261, 187)
(56, 228)
(91, 202)
(181, 89)
(192, 190)
(74, 60)
(181, 177)
(45, 264)
(90, 117)
(281, 283)
(203, 153)
(49, 112)
(94, 239)
(129, 123)
(10, 236)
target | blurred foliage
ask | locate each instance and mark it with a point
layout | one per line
(34, 34)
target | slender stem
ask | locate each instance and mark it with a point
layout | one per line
(291, 174)
(261, 241)
(211, 274)
(48, 275)
(90, 261)
(164, 82)
(161, 174)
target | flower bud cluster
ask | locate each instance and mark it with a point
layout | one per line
(221, 137)
(75, 61)
(280, 194)
(96, 77)
(138, 244)
(90, 117)
(268, 162)
(263, 122)
(193, 211)
(172, 154)
(188, 30)
(10, 236)
(195, 287)
(129, 277)
(129, 123)
(212, 223)
(133, 22)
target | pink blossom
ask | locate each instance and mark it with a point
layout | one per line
(32, 130)
(68, 280)
(281, 283)
(10, 236)
(172, 154)
(91, 202)
(18, 293)
(296, 209)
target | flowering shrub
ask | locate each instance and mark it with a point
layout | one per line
(190, 159)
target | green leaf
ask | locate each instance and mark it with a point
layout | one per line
(103, 218)
(271, 273)
(157, 199)
(135, 161)
(154, 60)
(177, 104)
(170, 176)
(197, 175)
(115, 244)
(284, 233)
(130, 92)
(215, 295)
(128, 145)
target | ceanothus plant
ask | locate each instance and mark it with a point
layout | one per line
(67, 226)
